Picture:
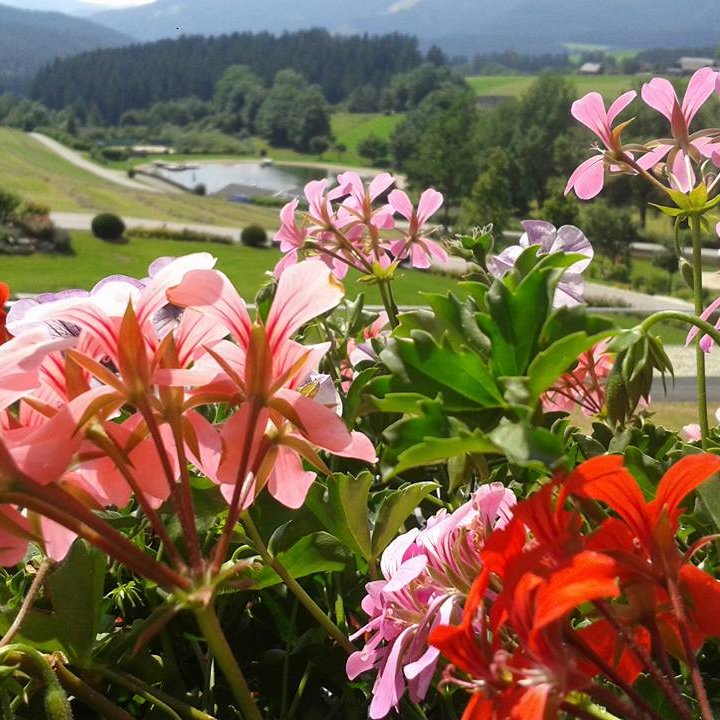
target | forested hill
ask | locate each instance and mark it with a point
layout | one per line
(31, 39)
(134, 77)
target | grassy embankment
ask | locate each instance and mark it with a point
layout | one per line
(609, 86)
(36, 173)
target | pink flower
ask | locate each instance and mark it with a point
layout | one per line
(691, 432)
(359, 206)
(589, 177)
(415, 246)
(263, 372)
(660, 95)
(706, 342)
(427, 575)
(584, 386)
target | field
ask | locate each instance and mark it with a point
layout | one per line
(36, 173)
(515, 85)
(246, 267)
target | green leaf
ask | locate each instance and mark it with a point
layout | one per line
(421, 365)
(319, 552)
(77, 593)
(529, 447)
(432, 451)
(550, 364)
(343, 510)
(393, 512)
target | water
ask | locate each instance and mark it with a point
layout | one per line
(250, 178)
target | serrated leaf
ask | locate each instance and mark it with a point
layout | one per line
(393, 512)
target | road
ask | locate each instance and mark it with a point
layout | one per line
(74, 157)
(82, 221)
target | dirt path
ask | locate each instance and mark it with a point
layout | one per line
(74, 157)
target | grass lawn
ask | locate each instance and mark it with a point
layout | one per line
(246, 267)
(610, 86)
(665, 414)
(36, 173)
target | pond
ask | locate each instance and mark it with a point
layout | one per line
(239, 181)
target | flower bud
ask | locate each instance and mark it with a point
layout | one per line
(687, 273)
(57, 706)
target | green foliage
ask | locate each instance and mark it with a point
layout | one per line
(559, 208)
(254, 236)
(107, 226)
(490, 200)
(239, 93)
(293, 112)
(364, 99)
(374, 148)
(9, 203)
(610, 230)
(184, 235)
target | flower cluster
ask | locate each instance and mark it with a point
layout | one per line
(584, 386)
(346, 226)
(679, 159)
(427, 575)
(102, 398)
(575, 605)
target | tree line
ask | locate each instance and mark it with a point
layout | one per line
(135, 77)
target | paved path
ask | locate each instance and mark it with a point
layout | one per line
(74, 157)
(81, 221)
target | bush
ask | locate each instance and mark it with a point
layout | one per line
(184, 235)
(200, 189)
(9, 202)
(605, 268)
(131, 173)
(318, 145)
(62, 242)
(610, 229)
(373, 148)
(254, 236)
(114, 154)
(108, 227)
(651, 281)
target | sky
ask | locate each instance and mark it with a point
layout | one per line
(73, 5)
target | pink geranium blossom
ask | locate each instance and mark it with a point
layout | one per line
(706, 342)
(416, 246)
(427, 575)
(684, 148)
(589, 177)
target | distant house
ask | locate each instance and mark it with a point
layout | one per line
(691, 64)
(590, 68)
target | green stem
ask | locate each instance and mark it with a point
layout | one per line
(699, 354)
(310, 605)
(388, 301)
(89, 696)
(218, 645)
(664, 315)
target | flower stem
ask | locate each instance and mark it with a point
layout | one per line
(26, 606)
(209, 625)
(388, 301)
(699, 354)
(310, 605)
(88, 696)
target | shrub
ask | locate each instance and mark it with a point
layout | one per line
(131, 173)
(184, 235)
(62, 242)
(254, 236)
(200, 189)
(318, 145)
(108, 227)
(651, 281)
(373, 148)
(114, 154)
(9, 202)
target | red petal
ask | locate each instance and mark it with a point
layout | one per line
(679, 480)
(701, 593)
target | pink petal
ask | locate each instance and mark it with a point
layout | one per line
(211, 292)
(430, 202)
(684, 175)
(660, 95)
(285, 262)
(590, 111)
(588, 178)
(208, 442)
(705, 315)
(194, 333)
(699, 89)
(12, 547)
(620, 104)
(390, 685)
(289, 482)
(406, 573)
(304, 291)
(57, 538)
(691, 432)
(650, 159)
(380, 184)
(400, 203)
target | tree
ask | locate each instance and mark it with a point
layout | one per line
(374, 148)
(559, 208)
(407, 90)
(491, 199)
(318, 145)
(293, 112)
(434, 145)
(364, 99)
(238, 97)
(610, 229)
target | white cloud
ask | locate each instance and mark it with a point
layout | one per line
(401, 6)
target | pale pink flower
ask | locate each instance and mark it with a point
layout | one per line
(589, 177)
(416, 246)
(566, 239)
(691, 432)
(360, 204)
(684, 148)
(427, 575)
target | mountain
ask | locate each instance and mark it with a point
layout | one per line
(457, 26)
(31, 38)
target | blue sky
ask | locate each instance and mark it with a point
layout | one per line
(72, 5)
